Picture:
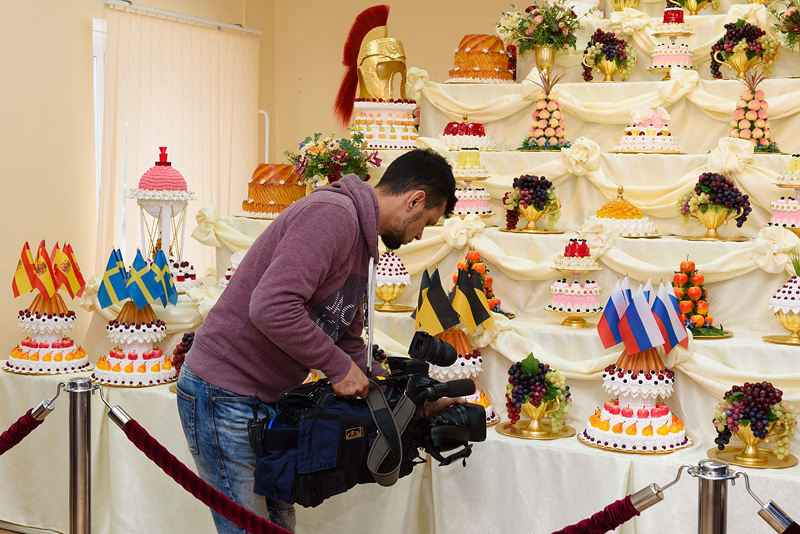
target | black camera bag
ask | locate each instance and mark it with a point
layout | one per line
(322, 445)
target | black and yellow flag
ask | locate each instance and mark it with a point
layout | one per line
(434, 313)
(469, 301)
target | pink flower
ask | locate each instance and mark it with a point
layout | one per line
(538, 19)
(529, 31)
(561, 25)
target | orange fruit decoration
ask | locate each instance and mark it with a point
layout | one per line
(689, 287)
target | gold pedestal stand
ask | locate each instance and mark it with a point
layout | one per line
(388, 293)
(714, 217)
(791, 322)
(536, 428)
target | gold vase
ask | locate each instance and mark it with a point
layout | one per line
(388, 293)
(531, 214)
(714, 217)
(738, 61)
(764, 2)
(606, 67)
(545, 56)
(750, 455)
(619, 5)
(692, 6)
(538, 427)
(791, 322)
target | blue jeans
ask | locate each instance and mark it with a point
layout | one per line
(215, 423)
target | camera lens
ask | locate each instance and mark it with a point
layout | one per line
(471, 417)
(432, 349)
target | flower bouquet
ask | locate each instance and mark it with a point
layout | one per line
(755, 412)
(789, 22)
(540, 391)
(533, 197)
(609, 54)
(743, 47)
(324, 161)
(545, 23)
(713, 200)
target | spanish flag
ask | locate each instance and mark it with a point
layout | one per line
(65, 272)
(142, 285)
(43, 270)
(434, 314)
(76, 271)
(23, 281)
(469, 301)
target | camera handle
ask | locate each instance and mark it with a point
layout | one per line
(369, 311)
(447, 460)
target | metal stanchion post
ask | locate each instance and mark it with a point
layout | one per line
(713, 498)
(80, 391)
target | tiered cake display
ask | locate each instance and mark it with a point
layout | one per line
(666, 56)
(648, 133)
(135, 333)
(786, 211)
(481, 59)
(391, 280)
(573, 299)
(272, 189)
(636, 419)
(624, 219)
(470, 200)
(46, 348)
(466, 134)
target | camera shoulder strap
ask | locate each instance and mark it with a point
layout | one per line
(390, 426)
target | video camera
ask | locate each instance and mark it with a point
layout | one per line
(321, 445)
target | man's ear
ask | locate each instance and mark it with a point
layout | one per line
(415, 198)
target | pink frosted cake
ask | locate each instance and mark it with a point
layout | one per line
(386, 125)
(161, 182)
(576, 257)
(672, 55)
(472, 201)
(785, 212)
(648, 132)
(575, 298)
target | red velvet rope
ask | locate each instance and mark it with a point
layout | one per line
(197, 486)
(610, 518)
(18, 431)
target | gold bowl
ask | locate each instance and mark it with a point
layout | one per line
(619, 5)
(738, 61)
(751, 455)
(606, 67)
(545, 56)
(692, 6)
(388, 293)
(531, 214)
(538, 427)
(714, 217)
(791, 322)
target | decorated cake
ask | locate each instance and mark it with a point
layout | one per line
(468, 166)
(465, 134)
(637, 419)
(648, 132)
(468, 363)
(391, 271)
(472, 201)
(386, 125)
(625, 219)
(46, 322)
(672, 22)
(787, 298)
(479, 397)
(785, 212)
(666, 56)
(481, 59)
(135, 359)
(547, 123)
(575, 297)
(272, 189)
(791, 176)
(576, 257)
(184, 275)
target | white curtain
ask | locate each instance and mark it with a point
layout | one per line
(192, 89)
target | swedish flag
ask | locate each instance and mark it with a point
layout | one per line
(112, 289)
(120, 264)
(469, 300)
(434, 314)
(142, 285)
(163, 275)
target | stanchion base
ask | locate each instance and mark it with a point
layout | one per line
(518, 431)
(771, 461)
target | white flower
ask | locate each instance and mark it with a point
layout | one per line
(467, 49)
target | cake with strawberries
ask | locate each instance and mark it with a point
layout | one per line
(465, 134)
(47, 348)
(481, 59)
(576, 257)
(637, 419)
(624, 219)
(272, 189)
(135, 359)
(648, 133)
(184, 276)
(785, 212)
(386, 124)
(791, 176)
(666, 56)
(672, 22)
(575, 297)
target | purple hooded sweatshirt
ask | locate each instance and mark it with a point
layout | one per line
(296, 300)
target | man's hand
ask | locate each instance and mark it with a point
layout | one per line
(440, 404)
(354, 384)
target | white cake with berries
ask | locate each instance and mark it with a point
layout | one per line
(465, 134)
(184, 276)
(791, 176)
(648, 133)
(787, 298)
(480, 398)
(135, 359)
(46, 348)
(236, 259)
(391, 271)
(386, 125)
(637, 419)
(576, 257)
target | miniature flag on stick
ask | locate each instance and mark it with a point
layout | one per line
(434, 313)
(638, 326)
(669, 319)
(76, 271)
(163, 275)
(113, 288)
(469, 301)
(65, 272)
(142, 285)
(24, 276)
(608, 327)
(43, 270)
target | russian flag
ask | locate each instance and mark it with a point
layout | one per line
(608, 327)
(626, 289)
(638, 327)
(648, 289)
(669, 319)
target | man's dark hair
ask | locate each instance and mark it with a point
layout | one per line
(422, 169)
